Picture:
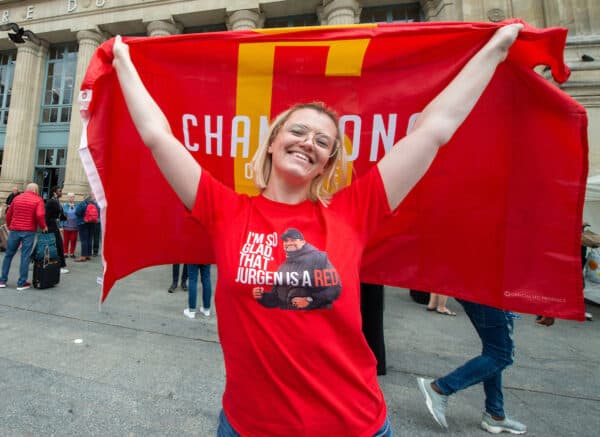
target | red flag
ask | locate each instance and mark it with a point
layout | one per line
(496, 219)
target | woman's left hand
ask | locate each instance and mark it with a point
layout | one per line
(505, 37)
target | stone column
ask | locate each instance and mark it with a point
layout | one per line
(23, 117)
(245, 19)
(579, 16)
(75, 178)
(560, 13)
(337, 12)
(163, 28)
(531, 11)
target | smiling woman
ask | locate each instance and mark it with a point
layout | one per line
(289, 307)
(303, 147)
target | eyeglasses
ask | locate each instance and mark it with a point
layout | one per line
(319, 139)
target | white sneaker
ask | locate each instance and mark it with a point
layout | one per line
(205, 311)
(189, 313)
(63, 270)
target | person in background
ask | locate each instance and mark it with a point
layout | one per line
(495, 330)
(69, 226)
(437, 303)
(54, 214)
(14, 193)
(88, 214)
(175, 281)
(25, 215)
(192, 270)
(371, 310)
(97, 234)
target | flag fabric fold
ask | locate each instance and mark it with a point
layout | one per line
(496, 219)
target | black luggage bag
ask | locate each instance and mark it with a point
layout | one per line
(46, 273)
(421, 297)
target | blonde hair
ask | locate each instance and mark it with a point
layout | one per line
(325, 185)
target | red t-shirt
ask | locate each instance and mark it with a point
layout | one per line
(294, 372)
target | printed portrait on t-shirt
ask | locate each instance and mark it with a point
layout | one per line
(305, 280)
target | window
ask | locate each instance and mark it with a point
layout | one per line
(407, 12)
(7, 68)
(50, 167)
(59, 85)
(293, 21)
(221, 27)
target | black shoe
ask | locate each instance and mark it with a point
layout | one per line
(184, 287)
(172, 288)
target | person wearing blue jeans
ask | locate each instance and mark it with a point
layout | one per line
(26, 238)
(184, 278)
(495, 329)
(25, 215)
(192, 271)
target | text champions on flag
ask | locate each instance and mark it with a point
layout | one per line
(207, 133)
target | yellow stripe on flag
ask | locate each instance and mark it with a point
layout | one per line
(255, 85)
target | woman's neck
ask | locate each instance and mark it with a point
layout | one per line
(282, 193)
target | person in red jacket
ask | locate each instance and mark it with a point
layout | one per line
(24, 216)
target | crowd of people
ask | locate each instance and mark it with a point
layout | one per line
(27, 213)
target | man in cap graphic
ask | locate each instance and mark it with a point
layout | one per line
(309, 281)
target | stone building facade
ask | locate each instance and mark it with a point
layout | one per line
(39, 78)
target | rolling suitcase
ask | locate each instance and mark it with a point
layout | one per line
(46, 273)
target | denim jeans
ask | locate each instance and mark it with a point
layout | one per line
(86, 231)
(226, 430)
(192, 271)
(495, 329)
(184, 275)
(26, 239)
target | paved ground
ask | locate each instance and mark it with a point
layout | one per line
(139, 368)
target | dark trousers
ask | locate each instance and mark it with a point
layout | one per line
(86, 231)
(371, 309)
(59, 246)
(96, 238)
(184, 275)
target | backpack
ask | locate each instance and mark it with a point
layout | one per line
(45, 247)
(91, 213)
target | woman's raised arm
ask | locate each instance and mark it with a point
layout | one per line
(176, 164)
(410, 157)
